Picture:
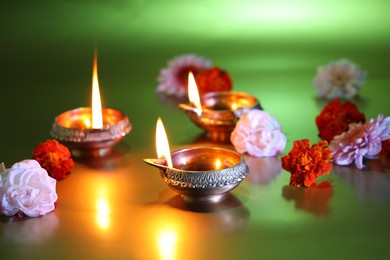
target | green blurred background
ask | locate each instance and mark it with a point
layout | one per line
(270, 48)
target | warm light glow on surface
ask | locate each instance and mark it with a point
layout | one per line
(193, 93)
(102, 210)
(86, 121)
(234, 106)
(218, 164)
(183, 161)
(167, 244)
(162, 144)
(97, 115)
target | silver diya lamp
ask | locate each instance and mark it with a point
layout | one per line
(220, 111)
(91, 131)
(202, 173)
(71, 128)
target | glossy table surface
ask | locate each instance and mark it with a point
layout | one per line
(119, 207)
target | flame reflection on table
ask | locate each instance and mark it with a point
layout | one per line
(167, 243)
(102, 209)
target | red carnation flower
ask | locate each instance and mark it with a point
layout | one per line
(213, 79)
(385, 148)
(335, 118)
(54, 157)
(306, 163)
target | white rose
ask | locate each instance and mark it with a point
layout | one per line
(26, 187)
(258, 134)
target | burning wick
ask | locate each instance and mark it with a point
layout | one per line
(193, 94)
(97, 115)
(162, 145)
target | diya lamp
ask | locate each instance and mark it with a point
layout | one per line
(91, 131)
(217, 111)
(199, 173)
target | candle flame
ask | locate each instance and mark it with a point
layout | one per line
(162, 144)
(97, 115)
(234, 106)
(193, 93)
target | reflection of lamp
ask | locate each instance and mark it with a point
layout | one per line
(175, 232)
(102, 210)
(314, 199)
(167, 243)
(228, 214)
(228, 202)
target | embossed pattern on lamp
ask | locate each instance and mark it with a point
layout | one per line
(91, 132)
(200, 173)
(217, 111)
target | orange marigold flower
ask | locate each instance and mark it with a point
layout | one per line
(54, 157)
(306, 163)
(213, 79)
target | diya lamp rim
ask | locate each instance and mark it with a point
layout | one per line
(77, 109)
(206, 183)
(216, 94)
(161, 162)
(108, 132)
(212, 93)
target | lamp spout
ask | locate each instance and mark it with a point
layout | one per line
(187, 108)
(158, 163)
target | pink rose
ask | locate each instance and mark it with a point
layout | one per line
(26, 187)
(258, 134)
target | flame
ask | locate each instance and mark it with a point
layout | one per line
(97, 115)
(162, 145)
(193, 93)
(234, 106)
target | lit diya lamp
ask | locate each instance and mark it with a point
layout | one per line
(200, 173)
(217, 111)
(91, 131)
